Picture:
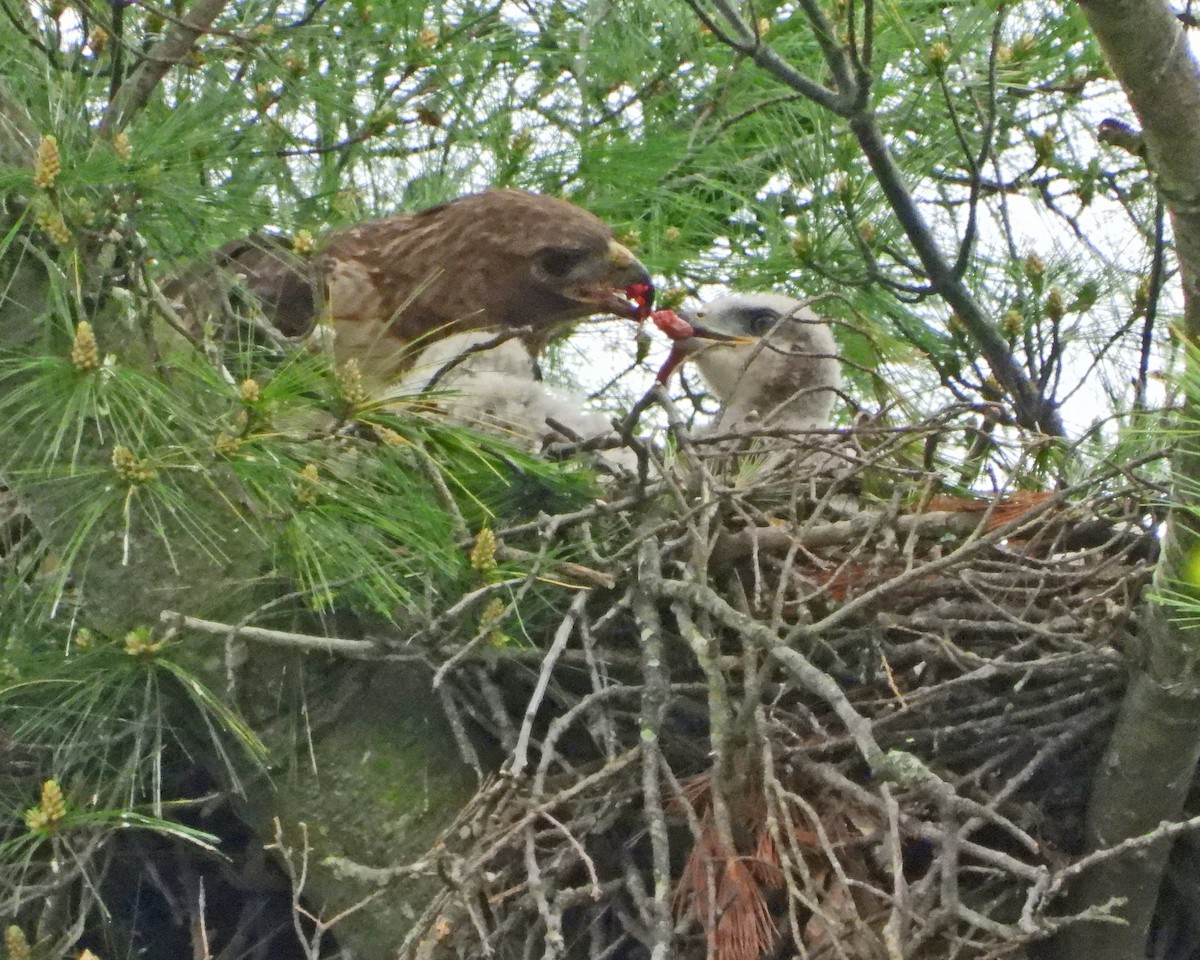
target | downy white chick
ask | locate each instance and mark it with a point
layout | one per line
(768, 358)
(495, 389)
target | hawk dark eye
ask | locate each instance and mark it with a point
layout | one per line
(761, 321)
(558, 263)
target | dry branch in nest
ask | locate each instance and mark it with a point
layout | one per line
(822, 710)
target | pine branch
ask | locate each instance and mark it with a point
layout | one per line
(135, 92)
(852, 103)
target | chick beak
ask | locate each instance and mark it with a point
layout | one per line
(714, 336)
(689, 338)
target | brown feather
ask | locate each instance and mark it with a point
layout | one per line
(498, 259)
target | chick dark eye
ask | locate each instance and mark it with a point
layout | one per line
(558, 263)
(761, 321)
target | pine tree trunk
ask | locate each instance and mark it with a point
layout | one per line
(1150, 762)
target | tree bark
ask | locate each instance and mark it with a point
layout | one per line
(1150, 763)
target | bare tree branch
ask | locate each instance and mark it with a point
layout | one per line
(851, 101)
(135, 92)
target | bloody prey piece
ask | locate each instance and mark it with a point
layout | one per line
(643, 295)
(677, 329)
(672, 324)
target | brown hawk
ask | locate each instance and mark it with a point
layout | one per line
(502, 259)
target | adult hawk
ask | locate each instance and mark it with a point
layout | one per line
(502, 259)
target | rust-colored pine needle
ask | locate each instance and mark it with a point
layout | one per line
(736, 920)
(1008, 508)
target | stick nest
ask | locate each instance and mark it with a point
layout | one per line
(803, 702)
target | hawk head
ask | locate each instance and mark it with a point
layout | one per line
(502, 259)
(564, 262)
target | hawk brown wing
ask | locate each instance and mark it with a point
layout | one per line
(498, 259)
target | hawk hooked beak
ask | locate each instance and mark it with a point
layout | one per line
(624, 287)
